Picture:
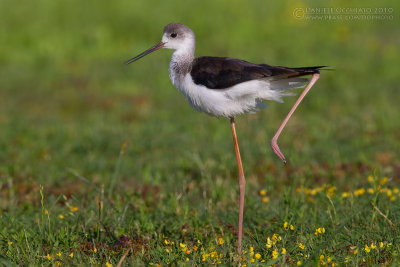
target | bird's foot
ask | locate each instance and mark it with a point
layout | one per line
(277, 151)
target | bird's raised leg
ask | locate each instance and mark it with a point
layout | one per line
(242, 185)
(274, 140)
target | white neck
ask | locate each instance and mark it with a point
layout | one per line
(181, 62)
(185, 49)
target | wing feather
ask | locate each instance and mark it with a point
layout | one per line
(224, 72)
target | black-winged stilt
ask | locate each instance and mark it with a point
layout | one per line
(228, 87)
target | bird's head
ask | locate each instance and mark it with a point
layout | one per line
(178, 36)
(175, 36)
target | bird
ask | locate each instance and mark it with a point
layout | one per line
(228, 87)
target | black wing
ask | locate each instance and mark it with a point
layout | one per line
(224, 72)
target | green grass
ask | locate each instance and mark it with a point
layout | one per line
(102, 163)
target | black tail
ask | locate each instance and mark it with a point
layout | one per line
(278, 72)
(308, 70)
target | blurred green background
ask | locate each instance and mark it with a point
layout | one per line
(68, 103)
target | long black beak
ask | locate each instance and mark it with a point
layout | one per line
(148, 51)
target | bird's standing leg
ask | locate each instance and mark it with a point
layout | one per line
(274, 140)
(242, 185)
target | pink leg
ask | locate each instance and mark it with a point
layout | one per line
(274, 140)
(242, 185)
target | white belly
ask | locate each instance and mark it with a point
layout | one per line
(230, 102)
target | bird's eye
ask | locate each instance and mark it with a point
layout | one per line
(173, 35)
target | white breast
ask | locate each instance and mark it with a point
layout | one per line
(242, 98)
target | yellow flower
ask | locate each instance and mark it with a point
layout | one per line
(383, 180)
(73, 208)
(46, 212)
(392, 198)
(275, 254)
(276, 238)
(370, 179)
(257, 256)
(262, 192)
(381, 244)
(345, 195)
(183, 247)
(108, 264)
(58, 264)
(187, 259)
(269, 243)
(321, 257)
(71, 255)
(314, 191)
(331, 191)
(59, 254)
(328, 259)
(298, 263)
(265, 200)
(285, 226)
(395, 190)
(359, 192)
(214, 254)
(355, 251)
(220, 240)
(370, 190)
(61, 216)
(253, 260)
(373, 246)
(389, 193)
(301, 246)
(251, 251)
(283, 251)
(48, 256)
(334, 264)
(319, 231)
(195, 248)
(291, 227)
(367, 249)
